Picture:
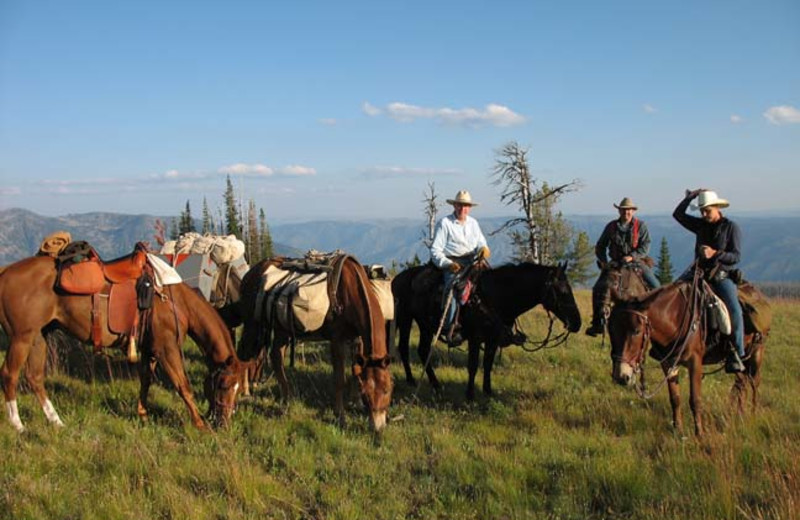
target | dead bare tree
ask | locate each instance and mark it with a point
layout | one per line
(431, 210)
(543, 229)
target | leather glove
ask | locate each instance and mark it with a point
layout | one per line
(484, 253)
(455, 267)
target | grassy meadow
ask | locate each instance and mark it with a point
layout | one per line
(559, 440)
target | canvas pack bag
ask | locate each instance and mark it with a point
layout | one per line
(383, 290)
(299, 301)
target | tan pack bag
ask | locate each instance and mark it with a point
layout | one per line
(756, 307)
(299, 301)
(383, 290)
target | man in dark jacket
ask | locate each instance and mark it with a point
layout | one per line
(627, 241)
(717, 250)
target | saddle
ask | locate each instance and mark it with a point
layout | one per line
(125, 282)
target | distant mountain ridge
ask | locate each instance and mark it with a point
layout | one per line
(770, 243)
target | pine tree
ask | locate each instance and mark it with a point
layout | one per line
(186, 224)
(208, 221)
(580, 260)
(253, 239)
(664, 265)
(174, 232)
(265, 236)
(232, 211)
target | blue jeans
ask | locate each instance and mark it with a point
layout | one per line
(649, 278)
(726, 289)
(449, 280)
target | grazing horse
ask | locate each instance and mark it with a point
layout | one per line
(354, 318)
(673, 319)
(499, 297)
(31, 305)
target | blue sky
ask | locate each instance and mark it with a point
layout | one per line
(349, 109)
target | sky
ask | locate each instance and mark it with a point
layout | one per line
(350, 110)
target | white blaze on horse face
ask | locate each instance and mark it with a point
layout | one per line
(51, 414)
(13, 416)
(625, 372)
(379, 420)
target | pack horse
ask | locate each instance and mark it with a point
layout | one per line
(98, 302)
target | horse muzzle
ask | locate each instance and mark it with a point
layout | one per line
(622, 373)
(378, 420)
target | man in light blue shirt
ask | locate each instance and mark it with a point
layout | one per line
(458, 241)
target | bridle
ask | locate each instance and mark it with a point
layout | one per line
(220, 408)
(552, 314)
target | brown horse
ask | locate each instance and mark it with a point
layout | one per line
(500, 296)
(30, 305)
(354, 316)
(673, 319)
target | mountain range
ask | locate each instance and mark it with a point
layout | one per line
(770, 243)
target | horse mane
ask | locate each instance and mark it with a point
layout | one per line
(361, 279)
(643, 301)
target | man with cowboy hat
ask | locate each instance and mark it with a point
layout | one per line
(457, 242)
(717, 251)
(627, 241)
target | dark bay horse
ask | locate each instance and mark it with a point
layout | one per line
(30, 305)
(353, 325)
(500, 296)
(672, 318)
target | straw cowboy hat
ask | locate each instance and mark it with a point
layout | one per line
(462, 197)
(710, 198)
(626, 203)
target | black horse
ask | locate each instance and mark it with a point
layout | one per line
(499, 296)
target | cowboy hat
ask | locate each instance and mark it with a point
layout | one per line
(710, 198)
(626, 203)
(464, 198)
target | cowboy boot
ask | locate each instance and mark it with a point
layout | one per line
(733, 363)
(598, 322)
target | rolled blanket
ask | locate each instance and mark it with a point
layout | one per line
(54, 243)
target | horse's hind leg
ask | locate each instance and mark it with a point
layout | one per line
(472, 367)
(34, 373)
(146, 369)
(404, 330)
(754, 372)
(425, 350)
(16, 357)
(276, 355)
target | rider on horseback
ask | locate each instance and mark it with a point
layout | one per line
(457, 242)
(717, 252)
(627, 241)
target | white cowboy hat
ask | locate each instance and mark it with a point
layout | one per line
(626, 203)
(710, 198)
(462, 197)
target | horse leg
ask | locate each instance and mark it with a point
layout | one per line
(754, 373)
(16, 357)
(338, 353)
(404, 330)
(34, 373)
(425, 350)
(674, 396)
(472, 367)
(488, 362)
(173, 365)
(146, 371)
(695, 387)
(276, 355)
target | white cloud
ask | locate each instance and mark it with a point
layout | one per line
(370, 110)
(257, 170)
(736, 119)
(9, 190)
(650, 109)
(385, 172)
(295, 170)
(328, 121)
(491, 115)
(782, 115)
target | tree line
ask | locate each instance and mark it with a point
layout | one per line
(249, 226)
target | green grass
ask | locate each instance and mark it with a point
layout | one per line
(559, 440)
